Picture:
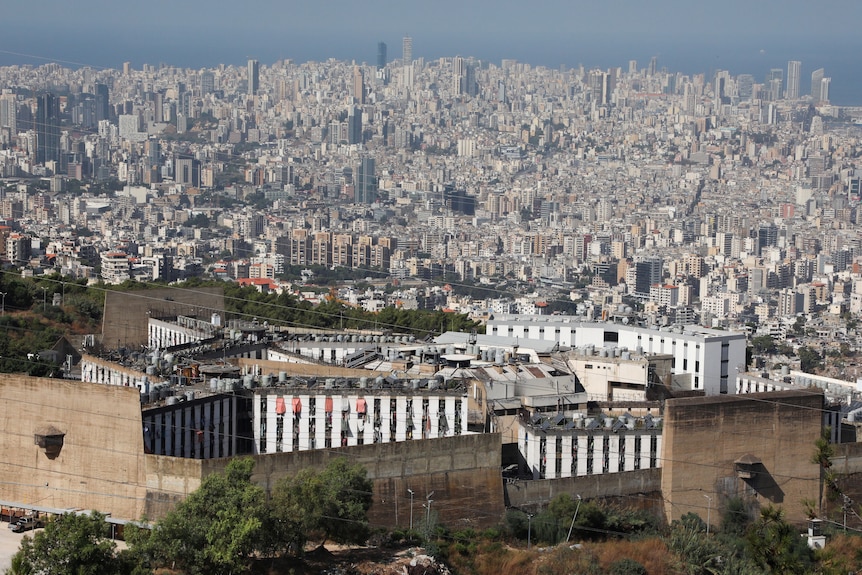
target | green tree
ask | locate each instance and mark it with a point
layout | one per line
(70, 544)
(763, 344)
(199, 221)
(809, 359)
(799, 325)
(331, 504)
(216, 530)
(822, 457)
(775, 545)
(735, 518)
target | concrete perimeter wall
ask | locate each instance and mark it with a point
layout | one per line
(463, 472)
(125, 317)
(847, 459)
(537, 494)
(100, 465)
(703, 437)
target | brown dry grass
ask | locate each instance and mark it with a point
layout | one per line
(493, 561)
(653, 554)
(843, 554)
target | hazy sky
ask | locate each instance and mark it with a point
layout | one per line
(683, 34)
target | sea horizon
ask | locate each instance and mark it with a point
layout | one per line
(839, 63)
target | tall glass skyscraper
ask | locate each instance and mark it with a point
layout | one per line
(366, 182)
(47, 129)
(253, 77)
(381, 55)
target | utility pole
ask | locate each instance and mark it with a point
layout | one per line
(708, 511)
(410, 491)
(529, 530)
(575, 516)
(3, 303)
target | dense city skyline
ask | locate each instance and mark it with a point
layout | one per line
(741, 37)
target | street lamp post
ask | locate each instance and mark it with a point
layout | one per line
(3, 303)
(529, 530)
(428, 512)
(410, 491)
(44, 297)
(708, 511)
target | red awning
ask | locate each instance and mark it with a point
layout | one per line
(360, 406)
(327, 405)
(280, 408)
(297, 405)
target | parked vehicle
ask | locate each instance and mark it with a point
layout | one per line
(25, 524)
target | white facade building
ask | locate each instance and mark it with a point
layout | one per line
(710, 356)
(284, 421)
(552, 452)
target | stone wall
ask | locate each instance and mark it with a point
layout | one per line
(704, 437)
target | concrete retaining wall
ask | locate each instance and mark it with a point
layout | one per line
(463, 472)
(101, 463)
(536, 494)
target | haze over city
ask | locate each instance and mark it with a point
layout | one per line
(687, 37)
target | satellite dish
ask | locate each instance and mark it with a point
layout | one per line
(625, 320)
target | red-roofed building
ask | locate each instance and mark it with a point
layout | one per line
(667, 295)
(263, 285)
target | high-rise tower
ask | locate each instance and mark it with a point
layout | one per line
(47, 129)
(458, 75)
(207, 82)
(824, 89)
(354, 126)
(9, 112)
(253, 77)
(381, 55)
(358, 85)
(794, 75)
(774, 80)
(366, 182)
(407, 51)
(816, 84)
